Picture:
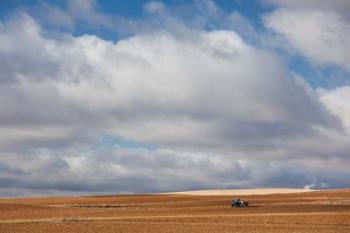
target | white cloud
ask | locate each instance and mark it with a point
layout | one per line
(154, 6)
(337, 101)
(158, 79)
(342, 6)
(322, 36)
(221, 113)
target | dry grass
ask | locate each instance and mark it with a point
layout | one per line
(321, 212)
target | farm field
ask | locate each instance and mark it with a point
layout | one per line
(319, 211)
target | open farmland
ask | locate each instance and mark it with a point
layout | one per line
(321, 212)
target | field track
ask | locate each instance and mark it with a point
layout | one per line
(321, 212)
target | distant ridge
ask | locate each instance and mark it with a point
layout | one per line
(255, 191)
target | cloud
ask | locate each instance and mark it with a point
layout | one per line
(74, 12)
(322, 36)
(157, 79)
(88, 16)
(218, 111)
(119, 170)
(342, 6)
(112, 169)
(336, 101)
(154, 6)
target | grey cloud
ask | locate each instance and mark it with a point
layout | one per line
(85, 12)
(140, 170)
(119, 170)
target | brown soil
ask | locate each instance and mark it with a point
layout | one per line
(321, 212)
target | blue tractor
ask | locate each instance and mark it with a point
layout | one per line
(239, 203)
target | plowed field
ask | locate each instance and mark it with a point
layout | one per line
(321, 212)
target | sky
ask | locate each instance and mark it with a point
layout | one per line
(139, 96)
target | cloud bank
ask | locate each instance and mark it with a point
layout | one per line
(173, 107)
